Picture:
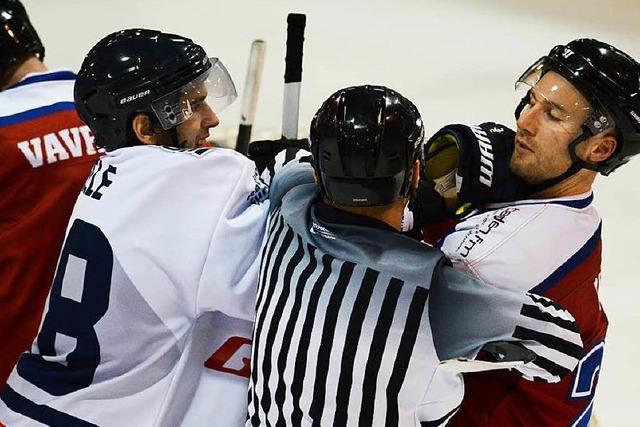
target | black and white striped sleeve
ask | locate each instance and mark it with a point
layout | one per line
(288, 156)
(552, 334)
(466, 314)
(289, 169)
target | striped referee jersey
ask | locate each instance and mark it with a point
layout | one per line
(354, 321)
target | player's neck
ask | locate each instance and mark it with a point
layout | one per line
(389, 214)
(27, 66)
(576, 184)
(392, 217)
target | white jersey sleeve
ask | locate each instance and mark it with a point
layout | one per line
(230, 269)
(443, 396)
(521, 245)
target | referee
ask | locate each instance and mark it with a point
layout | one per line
(353, 318)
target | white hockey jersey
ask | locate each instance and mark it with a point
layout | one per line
(550, 247)
(523, 243)
(157, 273)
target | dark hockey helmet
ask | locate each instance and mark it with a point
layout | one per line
(610, 80)
(17, 37)
(365, 140)
(144, 71)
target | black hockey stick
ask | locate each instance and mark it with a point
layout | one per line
(293, 74)
(250, 96)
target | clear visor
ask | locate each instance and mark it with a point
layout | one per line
(209, 93)
(559, 101)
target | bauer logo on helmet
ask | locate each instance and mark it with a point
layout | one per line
(133, 97)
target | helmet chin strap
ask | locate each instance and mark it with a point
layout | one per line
(576, 164)
(175, 142)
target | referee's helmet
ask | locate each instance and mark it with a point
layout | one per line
(365, 141)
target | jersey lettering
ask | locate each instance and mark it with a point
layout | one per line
(474, 237)
(228, 358)
(88, 137)
(33, 153)
(103, 181)
(50, 147)
(68, 351)
(587, 373)
(73, 141)
(54, 149)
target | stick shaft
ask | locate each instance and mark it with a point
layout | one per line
(250, 96)
(293, 74)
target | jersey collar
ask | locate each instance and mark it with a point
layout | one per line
(329, 214)
(579, 201)
(47, 76)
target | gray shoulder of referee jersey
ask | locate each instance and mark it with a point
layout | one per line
(289, 176)
(392, 253)
(465, 314)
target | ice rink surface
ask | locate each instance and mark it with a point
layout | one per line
(457, 60)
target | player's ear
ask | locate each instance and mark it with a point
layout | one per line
(144, 130)
(601, 148)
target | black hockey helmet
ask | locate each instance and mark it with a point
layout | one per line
(610, 81)
(365, 140)
(17, 36)
(144, 71)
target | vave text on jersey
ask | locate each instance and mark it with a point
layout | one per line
(57, 146)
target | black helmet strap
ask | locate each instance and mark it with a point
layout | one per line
(576, 164)
(407, 189)
(173, 133)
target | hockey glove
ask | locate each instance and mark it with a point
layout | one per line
(428, 206)
(263, 153)
(470, 164)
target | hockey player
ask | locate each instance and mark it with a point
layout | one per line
(580, 116)
(46, 154)
(353, 317)
(158, 269)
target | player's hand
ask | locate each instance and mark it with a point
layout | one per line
(441, 155)
(264, 152)
(470, 164)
